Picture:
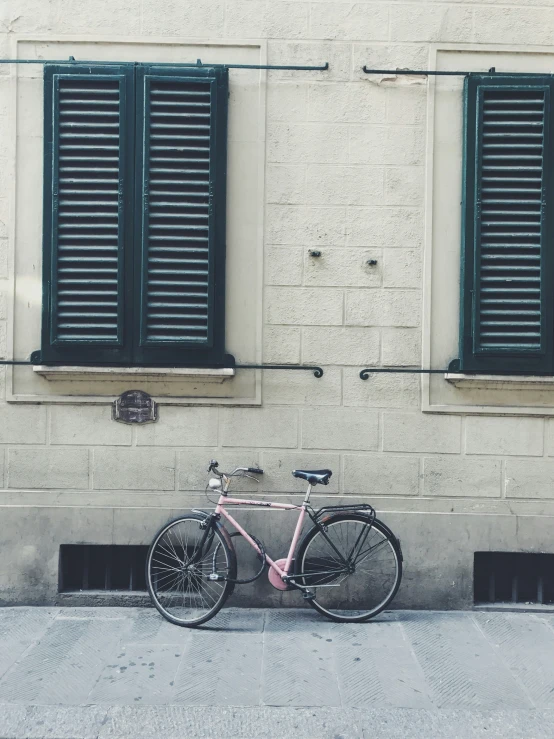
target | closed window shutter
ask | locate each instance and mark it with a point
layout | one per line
(88, 172)
(182, 256)
(506, 296)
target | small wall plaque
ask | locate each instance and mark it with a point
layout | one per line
(134, 406)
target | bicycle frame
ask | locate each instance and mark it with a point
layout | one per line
(220, 510)
(284, 573)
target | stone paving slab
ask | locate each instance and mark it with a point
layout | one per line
(19, 630)
(460, 665)
(275, 673)
(527, 648)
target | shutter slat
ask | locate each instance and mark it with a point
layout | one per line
(529, 125)
(508, 256)
(182, 194)
(169, 284)
(177, 126)
(173, 237)
(180, 216)
(516, 257)
(180, 249)
(180, 137)
(496, 211)
(160, 260)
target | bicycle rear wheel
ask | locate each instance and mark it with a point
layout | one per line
(366, 584)
(178, 565)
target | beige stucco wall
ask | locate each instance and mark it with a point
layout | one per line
(355, 166)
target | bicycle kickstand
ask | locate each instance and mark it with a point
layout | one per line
(307, 594)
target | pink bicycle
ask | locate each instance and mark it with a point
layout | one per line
(348, 565)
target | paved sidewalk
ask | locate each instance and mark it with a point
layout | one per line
(100, 673)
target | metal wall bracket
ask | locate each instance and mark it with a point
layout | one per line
(365, 373)
(448, 73)
(318, 371)
(453, 367)
(36, 359)
(199, 63)
(419, 72)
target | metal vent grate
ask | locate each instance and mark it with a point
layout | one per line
(86, 215)
(501, 577)
(179, 210)
(102, 567)
(510, 181)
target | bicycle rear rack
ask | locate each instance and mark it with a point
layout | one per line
(363, 508)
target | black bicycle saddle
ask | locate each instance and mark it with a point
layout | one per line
(314, 477)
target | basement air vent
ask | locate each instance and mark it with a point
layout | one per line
(505, 577)
(102, 567)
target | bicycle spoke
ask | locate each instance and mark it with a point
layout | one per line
(360, 541)
(170, 553)
(373, 549)
(165, 566)
(168, 581)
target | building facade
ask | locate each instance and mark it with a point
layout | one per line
(350, 221)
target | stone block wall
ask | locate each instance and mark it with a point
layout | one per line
(345, 166)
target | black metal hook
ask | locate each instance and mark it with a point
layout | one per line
(318, 371)
(365, 373)
(448, 73)
(418, 72)
(197, 63)
(454, 368)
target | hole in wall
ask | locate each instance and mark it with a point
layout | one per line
(102, 567)
(513, 577)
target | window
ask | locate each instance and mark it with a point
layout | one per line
(507, 315)
(134, 215)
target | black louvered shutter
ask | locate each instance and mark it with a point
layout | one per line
(507, 296)
(89, 126)
(181, 295)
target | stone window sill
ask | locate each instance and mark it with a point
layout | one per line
(499, 382)
(165, 374)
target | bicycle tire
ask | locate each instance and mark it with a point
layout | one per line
(164, 569)
(307, 550)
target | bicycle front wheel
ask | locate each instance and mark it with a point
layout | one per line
(353, 568)
(180, 561)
